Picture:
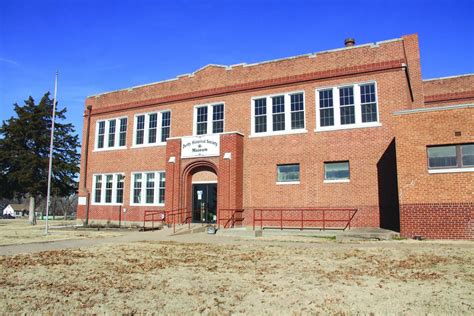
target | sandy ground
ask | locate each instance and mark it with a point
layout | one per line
(19, 231)
(243, 277)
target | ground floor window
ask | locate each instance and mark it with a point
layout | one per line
(108, 188)
(450, 157)
(148, 188)
(337, 171)
(288, 173)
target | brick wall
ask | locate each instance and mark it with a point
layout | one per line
(449, 91)
(433, 205)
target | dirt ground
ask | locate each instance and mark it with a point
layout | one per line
(19, 231)
(243, 277)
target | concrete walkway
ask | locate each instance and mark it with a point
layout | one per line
(202, 237)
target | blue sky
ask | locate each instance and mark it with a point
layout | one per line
(106, 45)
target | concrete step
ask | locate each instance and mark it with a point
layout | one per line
(185, 229)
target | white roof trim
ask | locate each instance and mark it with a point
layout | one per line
(449, 77)
(434, 109)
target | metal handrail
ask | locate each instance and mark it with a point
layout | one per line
(230, 219)
(152, 214)
(176, 215)
(282, 211)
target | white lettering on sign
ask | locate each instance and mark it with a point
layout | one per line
(200, 146)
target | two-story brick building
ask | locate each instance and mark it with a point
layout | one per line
(351, 128)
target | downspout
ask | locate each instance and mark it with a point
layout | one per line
(86, 155)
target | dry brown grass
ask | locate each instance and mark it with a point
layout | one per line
(247, 278)
(19, 231)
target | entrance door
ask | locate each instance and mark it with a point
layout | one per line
(205, 203)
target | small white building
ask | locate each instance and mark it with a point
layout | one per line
(16, 210)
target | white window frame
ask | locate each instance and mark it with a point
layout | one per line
(143, 188)
(103, 187)
(146, 130)
(106, 134)
(269, 115)
(210, 112)
(336, 106)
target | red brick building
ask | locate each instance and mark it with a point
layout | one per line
(352, 128)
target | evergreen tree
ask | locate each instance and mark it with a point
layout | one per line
(24, 152)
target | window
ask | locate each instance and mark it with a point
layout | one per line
(278, 114)
(297, 111)
(336, 171)
(278, 110)
(209, 119)
(288, 173)
(108, 188)
(108, 137)
(152, 128)
(148, 188)
(165, 126)
(326, 108)
(120, 185)
(260, 115)
(348, 106)
(452, 157)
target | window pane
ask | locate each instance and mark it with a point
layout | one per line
(260, 115)
(137, 188)
(201, 127)
(152, 124)
(98, 188)
(288, 173)
(326, 108)
(140, 130)
(112, 133)
(123, 132)
(150, 188)
(218, 118)
(108, 188)
(278, 110)
(442, 156)
(161, 197)
(467, 152)
(120, 183)
(369, 106)
(297, 111)
(346, 98)
(336, 170)
(101, 133)
(165, 125)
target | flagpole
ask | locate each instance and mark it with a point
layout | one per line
(48, 198)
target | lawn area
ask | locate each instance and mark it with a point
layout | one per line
(19, 231)
(243, 277)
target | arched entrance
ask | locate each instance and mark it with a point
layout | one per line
(201, 192)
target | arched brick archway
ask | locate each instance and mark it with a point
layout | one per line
(228, 167)
(187, 189)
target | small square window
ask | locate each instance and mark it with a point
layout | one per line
(336, 170)
(288, 173)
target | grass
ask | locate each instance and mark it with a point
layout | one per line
(19, 231)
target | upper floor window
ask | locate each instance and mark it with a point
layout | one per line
(152, 128)
(455, 158)
(347, 106)
(148, 188)
(209, 119)
(111, 133)
(108, 188)
(278, 114)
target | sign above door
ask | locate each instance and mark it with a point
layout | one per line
(200, 146)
